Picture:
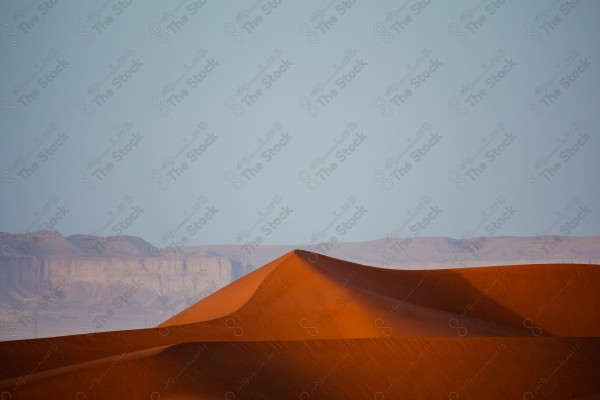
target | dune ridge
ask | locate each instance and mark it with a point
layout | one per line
(310, 326)
(52, 285)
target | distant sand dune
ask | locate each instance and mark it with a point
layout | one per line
(307, 326)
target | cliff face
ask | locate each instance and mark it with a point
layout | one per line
(101, 293)
(53, 285)
(165, 279)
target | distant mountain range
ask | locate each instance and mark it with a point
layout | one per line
(55, 285)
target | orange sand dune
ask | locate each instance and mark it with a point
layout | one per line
(307, 326)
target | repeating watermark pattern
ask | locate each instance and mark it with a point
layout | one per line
(6, 250)
(321, 380)
(94, 388)
(473, 93)
(343, 220)
(380, 322)
(459, 324)
(209, 288)
(323, 313)
(194, 220)
(25, 167)
(49, 216)
(493, 219)
(22, 381)
(175, 19)
(392, 382)
(26, 314)
(101, 19)
(269, 147)
(398, 21)
(259, 373)
(541, 246)
(249, 93)
(27, 19)
(473, 240)
(582, 363)
(414, 373)
(45, 218)
(492, 148)
(46, 72)
(247, 380)
(575, 210)
(466, 247)
(165, 255)
(419, 219)
(184, 299)
(100, 93)
(324, 92)
(84, 254)
(100, 313)
(473, 19)
(548, 19)
(470, 380)
(325, 165)
(540, 388)
(426, 206)
(568, 146)
(234, 254)
(102, 245)
(11, 329)
(250, 19)
(262, 89)
(322, 20)
(194, 148)
(269, 220)
(193, 74)
(121, 217)
(548, 92)
(120, 146)
(401, 165)
(386, 256)
(265, 297)
(399, 93)
(542, 317)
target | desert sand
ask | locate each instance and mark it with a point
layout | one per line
(52, 285)
(307, 326)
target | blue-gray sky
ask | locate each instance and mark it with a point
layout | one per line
(206, 122)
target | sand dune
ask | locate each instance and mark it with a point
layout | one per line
(51, 285)
(307, 326)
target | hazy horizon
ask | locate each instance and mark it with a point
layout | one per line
(282, 122)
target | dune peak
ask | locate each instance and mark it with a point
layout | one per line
(305, 319)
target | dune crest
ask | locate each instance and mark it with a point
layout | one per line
(226, 300)
(310, 326)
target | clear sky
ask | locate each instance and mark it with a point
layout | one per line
(209, 122)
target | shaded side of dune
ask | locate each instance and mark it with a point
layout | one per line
(307, 296)
(307, 326)
(534, 300)
(416, 368)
